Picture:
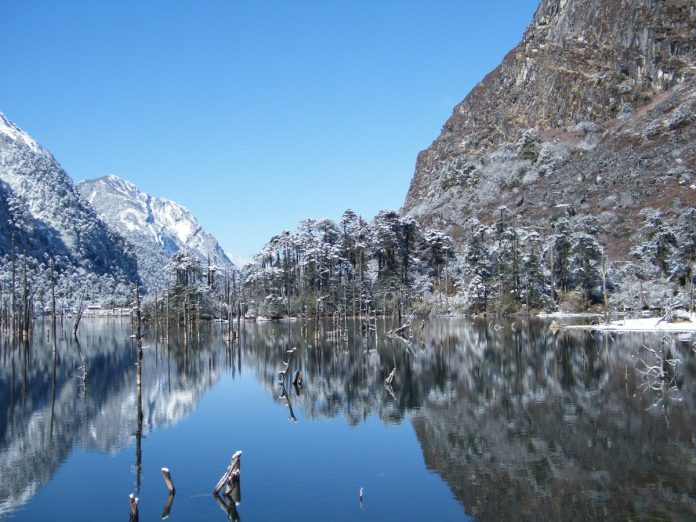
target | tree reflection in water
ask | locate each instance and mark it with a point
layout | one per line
(521, 423)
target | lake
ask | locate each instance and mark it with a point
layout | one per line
(485, 420)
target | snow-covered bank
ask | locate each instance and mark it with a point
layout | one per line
(683, 322)
(564, 315)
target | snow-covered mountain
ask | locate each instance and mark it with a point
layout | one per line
(156, 227)
(42, 210)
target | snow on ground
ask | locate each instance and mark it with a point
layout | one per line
(647, 324)
(562, 315)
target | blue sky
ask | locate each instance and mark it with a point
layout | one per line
(252, 114)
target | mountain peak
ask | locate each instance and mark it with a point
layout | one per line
(118, 184)
(15, 134)
(157, 227)
(43, 214)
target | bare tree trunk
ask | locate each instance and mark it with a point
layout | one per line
(642, 303)
(13, 312)
(138, 323)
(229, 314)
(553, 280)
(25, 300)
(239, 305)
(167, 325)
(604, 289)
(78, 317)
(2, 307)
(446, 281)
(138, 391)
(186, 320)
(526, 290)
(691, 287)
(198, 319)
(53, 305)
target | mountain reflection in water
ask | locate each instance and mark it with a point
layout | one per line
(520, 423)
(537, 426)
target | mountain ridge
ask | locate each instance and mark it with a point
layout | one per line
(157, 227)
(43, 216)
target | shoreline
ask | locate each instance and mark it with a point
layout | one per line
(681, 323)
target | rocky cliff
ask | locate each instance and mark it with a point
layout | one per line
(593, 113)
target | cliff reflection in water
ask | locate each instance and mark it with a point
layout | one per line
(537, 426)
(519, 422)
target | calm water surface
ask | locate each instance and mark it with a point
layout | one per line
(485, 421)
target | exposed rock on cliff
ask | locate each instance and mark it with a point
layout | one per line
(594, 112)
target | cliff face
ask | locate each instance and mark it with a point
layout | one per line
(594, 111)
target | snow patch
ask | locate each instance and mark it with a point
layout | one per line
(648, 324)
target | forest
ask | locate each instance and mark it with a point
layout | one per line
(392, 265)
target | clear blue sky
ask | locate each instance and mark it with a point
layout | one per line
(252, 114)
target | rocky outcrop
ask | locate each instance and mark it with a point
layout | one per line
(592, 113)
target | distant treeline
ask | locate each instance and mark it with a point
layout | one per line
(393, 265)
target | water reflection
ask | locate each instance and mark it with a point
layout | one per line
(559, 428)
(521, 423)
(48, 407)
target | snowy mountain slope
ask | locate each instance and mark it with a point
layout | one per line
(157, 227)
(40, 207)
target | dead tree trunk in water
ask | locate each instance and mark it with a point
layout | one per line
(53, 306)
(13, 311)
(283, 374)
(230, 478)
(138, 390)
(167, 476)
(133, 500)
(78, 317)
(25, 300)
